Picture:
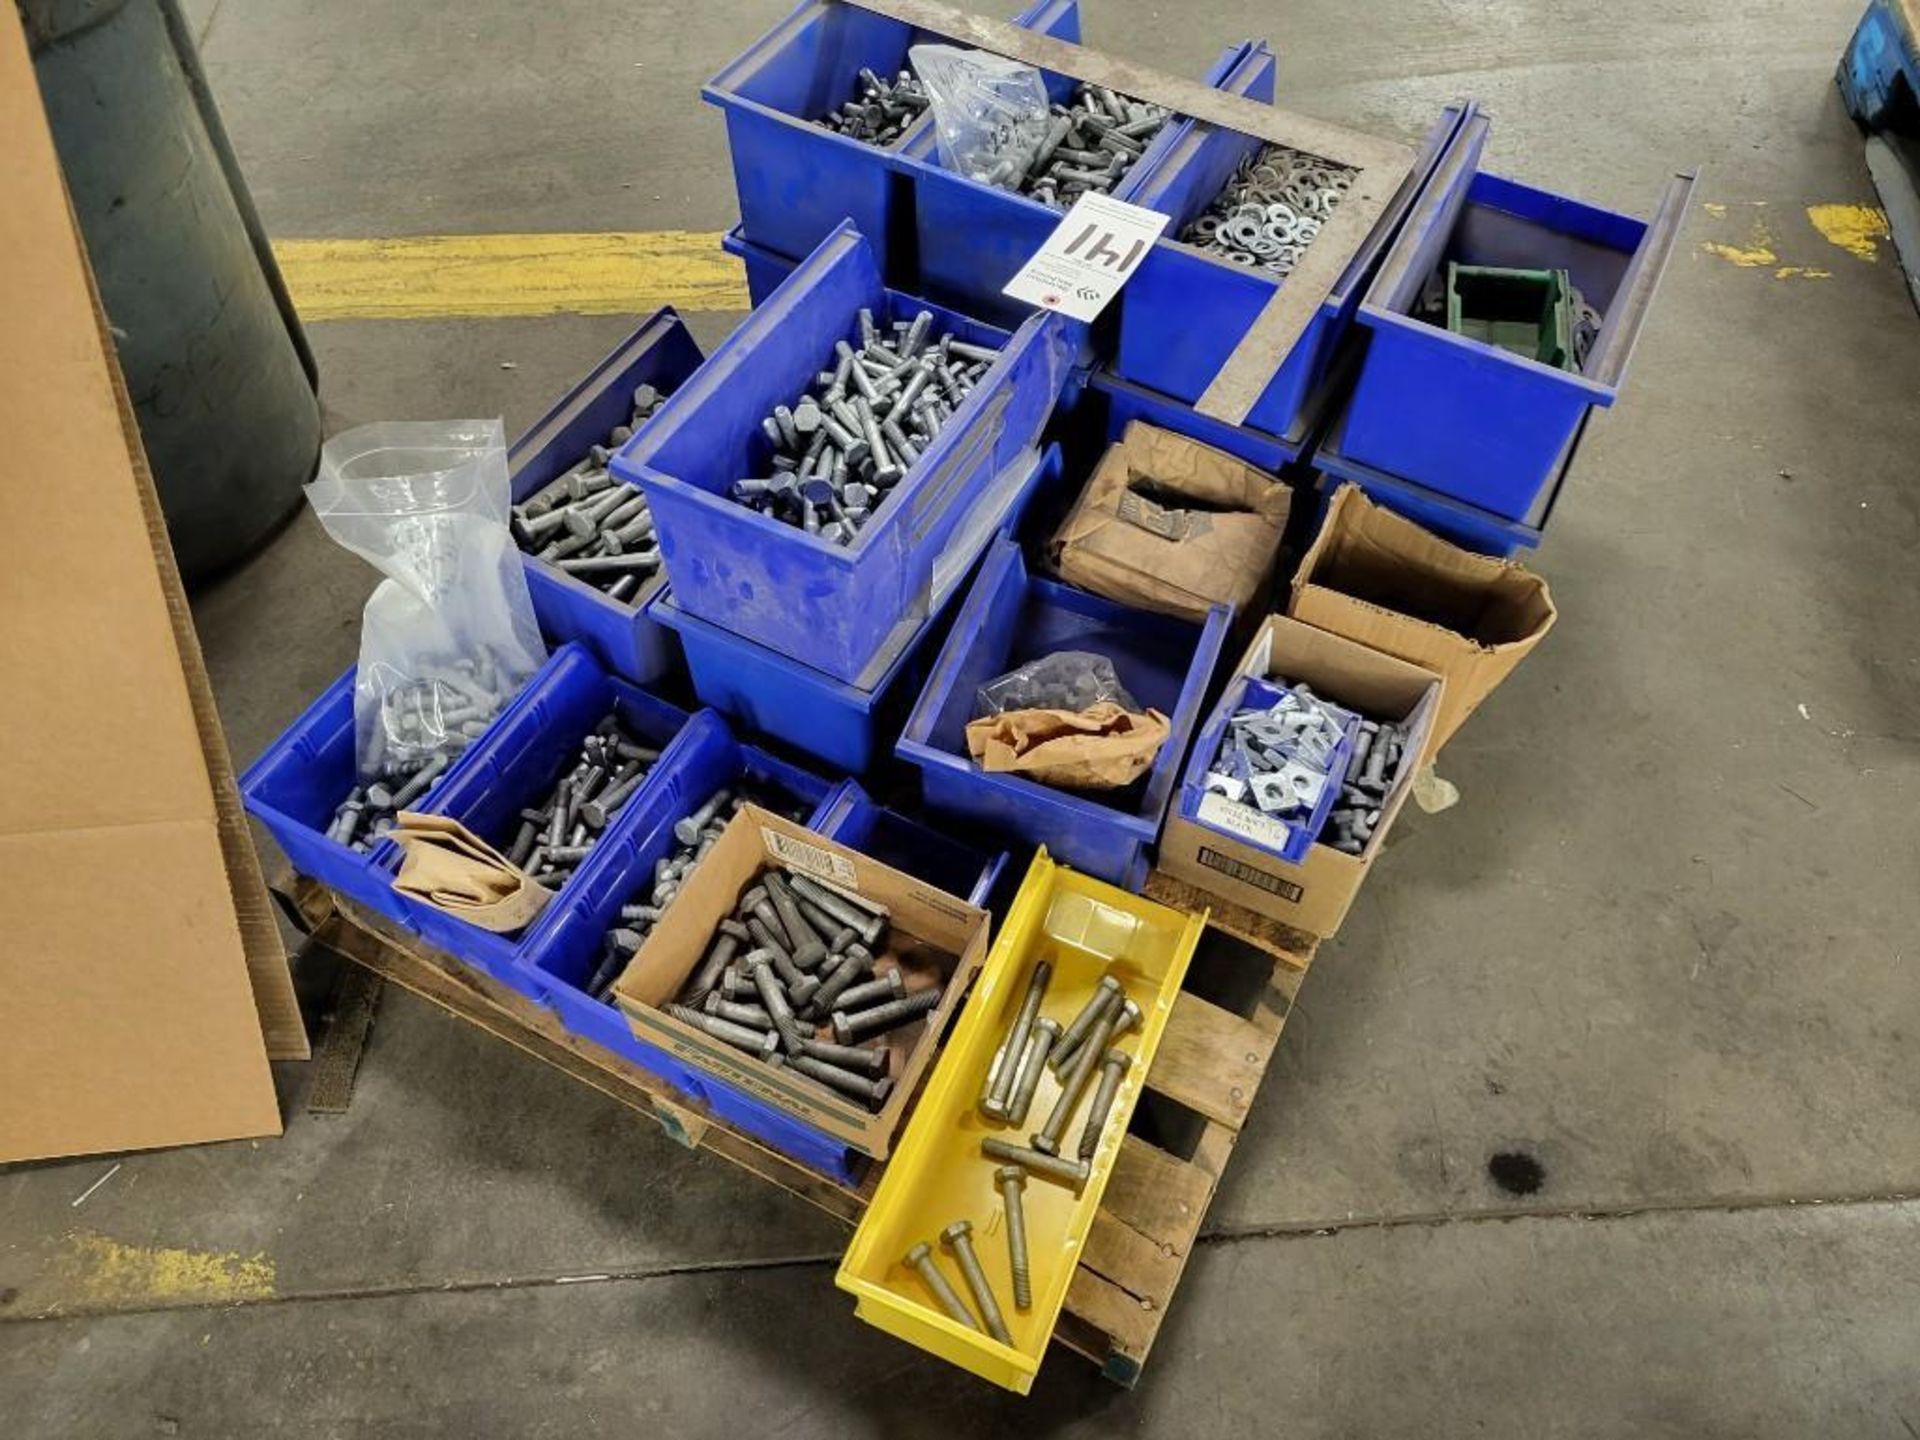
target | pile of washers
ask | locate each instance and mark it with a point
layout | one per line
(1279, 752)
(842, 446)
(1272, 208)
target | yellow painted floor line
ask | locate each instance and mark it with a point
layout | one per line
(418, 277)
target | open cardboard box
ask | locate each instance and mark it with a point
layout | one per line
(932, 938)
(1378, 578)
(1224, 851)
(145, 983)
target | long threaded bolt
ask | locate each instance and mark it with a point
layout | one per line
(837, 935)
(1000, 1084)
(725, 946)
(1012, 1180)
(873, 1091)
(849, 1028)
(1040, 1042)
(856, 962)
(863, 923)
(856, 1058)
(762, 1043)
(741, 1014)
(1112, 1068)
(1072, 1173)
(958, 1237)
(775, 999)
(687, 830)
(1106, 994)
(920, 1257)
(799, 986)
(808, 948)
(890, 986)
(1074, 1084)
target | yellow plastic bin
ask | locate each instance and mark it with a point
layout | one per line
(1085, 929)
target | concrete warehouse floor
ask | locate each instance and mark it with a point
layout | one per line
(1664, 946)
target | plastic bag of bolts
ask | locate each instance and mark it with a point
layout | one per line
(591, 525)
(801, 975)
(449, 636)
(989, 113)
(882, 110)
(695, 833)
(1065, 680)
(837, 452)
(1373, 768)
(1076, 1053)
(1271, 209)
(555, 838)
(1280, 750)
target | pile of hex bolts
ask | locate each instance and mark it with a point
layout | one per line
(1379, 750)
(794, 965)
(591, 525)
(425, 722)
(840, 448)
(555, 839)
(882, 110)
(694, 835)
(1034, 1043)
(1271, 210)
(1089, 145)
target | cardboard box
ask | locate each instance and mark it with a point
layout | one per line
(144, 978)
(1378, 578)
(1227, 858)
(933, 936)
(1175, 526)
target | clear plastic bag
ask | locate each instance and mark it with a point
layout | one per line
(1065, 680)
(449, 636)
(990, 114)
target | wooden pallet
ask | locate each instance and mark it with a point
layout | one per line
(1204, 1078)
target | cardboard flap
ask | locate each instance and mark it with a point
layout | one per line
(135, 999)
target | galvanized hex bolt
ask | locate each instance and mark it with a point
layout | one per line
(1105, 995)
(808, 948)
(754, 1042)
(920, 1257)
(1112, 1068)
(1000, 1083)
(856, 1058)
(958, 1237)
(1074, 1083)
(865, 923)
(1072, 1173)
(1045, 1033)
(775, 999)
(848, 1028)
(861, 1087)
(890, 986)
(687, 830)
(1012, 1180)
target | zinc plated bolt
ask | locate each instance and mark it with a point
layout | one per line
(1072, 1173)
(1045, 1032)
(1012, 1180)
(850, 1027)
(920, 1257)
(1105, 995)
(958, 1237)
(1112, 1068)
(1000, 1084)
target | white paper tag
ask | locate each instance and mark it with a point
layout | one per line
(1246, 822)
(1089, 256)
(813, 859)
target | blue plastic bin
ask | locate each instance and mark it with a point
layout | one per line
(661, 353)
(296, 787)
(1008, 619)
(833, 607)
(515, 764)
(1465, 525)
(798, 181)
(766, 271)
(565, 945)
(1186, 309)
(972, 238)
(1127, 403)
(1251, 690)
(858, 822)
(847, 725)
(1471, 420)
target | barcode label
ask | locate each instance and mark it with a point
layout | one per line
(814, 859)
(1248, 875)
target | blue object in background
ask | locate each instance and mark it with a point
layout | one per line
(661, 353)
(1187, 309)
(952, 866)
(832, 607)
(1010, 618)
(1472, 420)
